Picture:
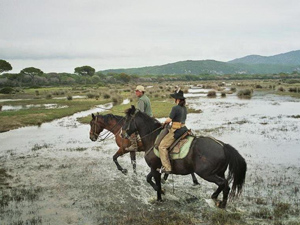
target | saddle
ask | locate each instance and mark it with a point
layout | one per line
(181, 146)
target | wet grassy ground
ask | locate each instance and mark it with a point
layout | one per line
(61, 177)
(83, 187)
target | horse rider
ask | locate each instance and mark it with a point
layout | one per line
(143, 105)
(177, 117)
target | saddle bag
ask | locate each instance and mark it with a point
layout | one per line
(179, 132)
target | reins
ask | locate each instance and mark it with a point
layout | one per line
(108, 133)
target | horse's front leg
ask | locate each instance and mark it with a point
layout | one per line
(133, 161)
(149, 180)
(157, 178)
(115, 159)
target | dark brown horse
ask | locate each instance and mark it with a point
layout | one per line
(114, 123)
(207, 157)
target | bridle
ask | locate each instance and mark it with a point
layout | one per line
(108, 133)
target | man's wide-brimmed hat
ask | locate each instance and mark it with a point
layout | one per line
(140, 88)
(178, 95)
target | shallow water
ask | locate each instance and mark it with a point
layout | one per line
(56, 175)
(20, 107)
(261, 126)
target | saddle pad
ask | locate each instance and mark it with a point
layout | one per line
(184, 150)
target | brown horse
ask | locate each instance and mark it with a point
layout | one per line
(207, 157)
(114, 123)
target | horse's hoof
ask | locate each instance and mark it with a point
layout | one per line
(219, 204)
(222, 205)
(196, 184)
(124, 171)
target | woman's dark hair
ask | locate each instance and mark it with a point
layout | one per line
(181, 102)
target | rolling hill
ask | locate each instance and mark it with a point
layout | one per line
(252, 64)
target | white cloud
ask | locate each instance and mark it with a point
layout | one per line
(60, 35)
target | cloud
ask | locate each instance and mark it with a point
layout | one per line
(134, 33)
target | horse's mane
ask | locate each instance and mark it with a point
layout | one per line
(110, 116)
(147, 120)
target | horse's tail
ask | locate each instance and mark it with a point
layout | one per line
(237, 169)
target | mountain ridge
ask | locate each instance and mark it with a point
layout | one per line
(251, 64)
(288, 58)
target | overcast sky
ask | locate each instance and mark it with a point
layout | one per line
(59, 35)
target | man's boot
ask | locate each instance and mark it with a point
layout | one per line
(133, 147)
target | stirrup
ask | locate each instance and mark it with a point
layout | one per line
(163, 170)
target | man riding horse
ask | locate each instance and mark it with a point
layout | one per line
(144, 105)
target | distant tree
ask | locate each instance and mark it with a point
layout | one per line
(4, 66)
(16, 78)
(84, 71)
(54, 77)
(32, 72)
(95, 79)
(123, 77)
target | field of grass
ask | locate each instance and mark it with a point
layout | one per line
(38, 115)
(159, 95)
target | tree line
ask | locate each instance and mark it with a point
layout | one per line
(87, 75)
(32, 76)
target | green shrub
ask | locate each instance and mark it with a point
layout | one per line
(211, 94)
(246, 93)
(70, 97)
(106, 96)
(294, 89)
(48, 96)
(7, 90)
(90, 95)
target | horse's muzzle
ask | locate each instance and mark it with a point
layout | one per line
(93, 137)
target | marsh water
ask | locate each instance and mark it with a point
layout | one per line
(54, 174)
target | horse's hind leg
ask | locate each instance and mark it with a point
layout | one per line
(222, 186)
(219, 189)
(133, 161)
(195, 181)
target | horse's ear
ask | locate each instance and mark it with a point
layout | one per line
(93, 116)
(132, 109)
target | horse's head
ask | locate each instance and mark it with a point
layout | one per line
(96, 127)
(129, 126)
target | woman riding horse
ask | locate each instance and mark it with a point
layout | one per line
(207, 157)
(177, 117)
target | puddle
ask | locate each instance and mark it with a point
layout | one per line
(126, 101)
(74, 97)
